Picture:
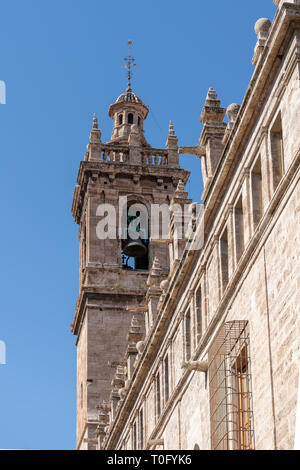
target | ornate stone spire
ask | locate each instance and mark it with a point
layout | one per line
(212, 136)
(94, 146)
(95, 121)
(95, 135)
(172, 145)
(212, 111)
(171, 129)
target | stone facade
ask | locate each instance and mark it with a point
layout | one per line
(201, 349)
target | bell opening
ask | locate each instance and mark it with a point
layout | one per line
(135, 251)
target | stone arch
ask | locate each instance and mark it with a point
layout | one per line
(141, 263)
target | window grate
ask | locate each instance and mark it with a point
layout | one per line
(230, 388)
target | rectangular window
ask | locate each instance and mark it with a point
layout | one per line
(198, 302)
(230, 388)
(167, 385)
(277, 151)
(224, 259)
(256, 191)
(239, 229)
(141, 419)
(187, 326)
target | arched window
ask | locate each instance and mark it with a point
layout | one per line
(120, 119)
(130, 118)
(135, 241)
(139, 121)
(196, 447)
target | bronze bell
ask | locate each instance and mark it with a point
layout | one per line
(135, 248)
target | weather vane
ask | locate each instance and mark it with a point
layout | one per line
(130, 62)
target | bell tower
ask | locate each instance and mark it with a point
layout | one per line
(114, 267)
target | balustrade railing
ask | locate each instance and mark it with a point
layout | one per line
(151, 157)
(155, 157)
(111, 154)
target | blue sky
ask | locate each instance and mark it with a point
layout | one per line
(60, 61)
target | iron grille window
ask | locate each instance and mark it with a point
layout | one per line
(230, 388)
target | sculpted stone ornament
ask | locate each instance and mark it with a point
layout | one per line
(262, 28)
(180, 187)
(199, 366)
(140, 347)
(232, 112)
(164, 285)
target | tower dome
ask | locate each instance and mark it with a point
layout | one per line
(129, 96)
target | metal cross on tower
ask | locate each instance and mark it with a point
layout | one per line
(130, 62)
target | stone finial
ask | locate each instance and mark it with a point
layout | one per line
(134, 322)
(95, 121)
(95, 138)
(164, 285)
(179, 195)
(172, 145)
(212, 111)
(156, 263)
(180, 187)
(171, 129)
(134, 334)
(211, 95)
(262, 28)
(140, 346)
(154, 274)
(156, 267)
(135, 326)
(119, 377)
(233, 111)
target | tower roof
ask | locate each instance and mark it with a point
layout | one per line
(128, 96)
